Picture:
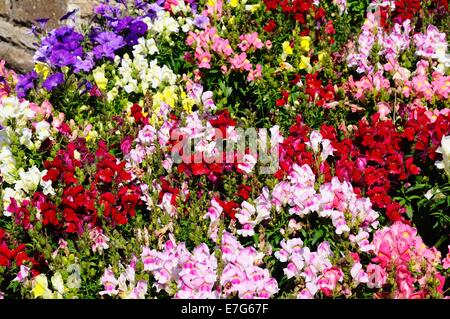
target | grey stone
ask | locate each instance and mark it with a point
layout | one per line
(5, 8)
(16, 35)
(26, 11)
(18, 59)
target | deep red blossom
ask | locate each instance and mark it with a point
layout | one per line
(49, 214)
(244, 191)
(95, 91)
(199, 169)
(405, 9)
(136, 112)
(230, 207)
(107, 201)
(222, 120)
(317, 91)
(13, 256)
(77, 207)
(64, 129)
(283, 100)
(329, 28)
(129, 198)
(270, 26)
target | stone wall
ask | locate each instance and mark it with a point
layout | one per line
(16, 18)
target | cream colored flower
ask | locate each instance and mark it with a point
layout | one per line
(99, 77)
(40, 287)
(445, 151)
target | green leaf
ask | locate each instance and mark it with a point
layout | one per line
(416, 187)
(409, 212)
(317, 235)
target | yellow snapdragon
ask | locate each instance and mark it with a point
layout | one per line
(40, 287)
(322, 57)
(252, 7)
(42, 68)
(287, 50)
(92, 135)
(99, 77)
(234, 3)
(304, 63)
(186, 102)
(305, 43)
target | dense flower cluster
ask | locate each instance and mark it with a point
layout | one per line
(134, 157)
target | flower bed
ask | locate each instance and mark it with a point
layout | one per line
(230, 149)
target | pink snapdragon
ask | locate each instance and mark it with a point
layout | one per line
(240, 62)
(245, 216)
(377, 276)
(23, 273)
(242, 275)
(222, 47)
(213, 214)
(194, 275)
(366, 41)
(247, 163)
(383, 109)
(109, 283)
(314, 267)
(255, 73)
(249, 41)
(427, 43)
(45, 110)
(198, 275)
(203, 58)
(403, 255)
(446, 261)
(393, 245)
(99, 240)
(358, 274)
(328, 281)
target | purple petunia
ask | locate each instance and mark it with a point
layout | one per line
(62, 58)
(103, 51)
(136, 30)
(201, 21)
(26, 83)
(109, 38)
(42, 22)
(86, 64)
(62, 47)
(153, 10)
(108, 42)
(69, 15)
(53, 81)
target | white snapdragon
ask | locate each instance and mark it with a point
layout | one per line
(7, 164)
(136, 72)
(12, 108)
(164, 24)
(26, 136)
(9, 109)
(187, 24)
(181, 7)
(43, 130)
(444, 149)
(29, 180)
(145, 47)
